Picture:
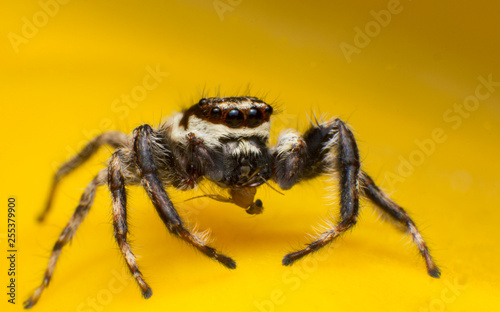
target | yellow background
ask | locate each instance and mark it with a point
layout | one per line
(57, 90)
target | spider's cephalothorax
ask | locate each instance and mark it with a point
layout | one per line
(235, 133)
(224, 141)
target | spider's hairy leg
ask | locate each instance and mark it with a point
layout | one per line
(114, 139)
(336, 136)
(67, 233)
(397, 213)
(148, 172)
(116, 185)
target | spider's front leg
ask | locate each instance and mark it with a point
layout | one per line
(331, 147)
(300, 158)
(148, 172)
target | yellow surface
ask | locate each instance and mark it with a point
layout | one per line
(64, 83)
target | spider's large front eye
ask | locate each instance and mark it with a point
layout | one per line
(254, 117)
(234, 118)
(215, 113)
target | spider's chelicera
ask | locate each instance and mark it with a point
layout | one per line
(225, 141)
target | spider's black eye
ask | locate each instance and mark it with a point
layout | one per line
(268, 110)
(234, 118)
(203, 102)
(254, 117)
(215, 113)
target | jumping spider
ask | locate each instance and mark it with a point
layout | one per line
(224, 140)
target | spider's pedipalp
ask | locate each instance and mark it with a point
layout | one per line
(115, 139)
(67, 233)
(291, 149)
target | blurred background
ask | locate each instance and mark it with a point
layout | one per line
(419, 82)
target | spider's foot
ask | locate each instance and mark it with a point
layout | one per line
(145, 289)
(28, 303)
(434, 272)
(31, 301)
(255, 208)
(147, 293)
(288, 260)
(294, 256)
(42, 215)
(226, 261)
(213, 254)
